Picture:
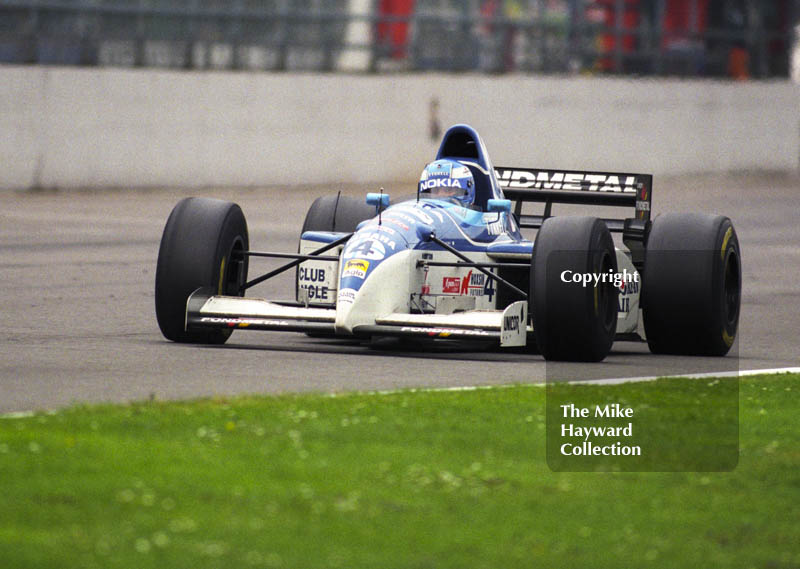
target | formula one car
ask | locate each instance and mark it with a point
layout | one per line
(452, 264)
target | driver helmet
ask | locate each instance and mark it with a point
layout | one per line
(447, 179)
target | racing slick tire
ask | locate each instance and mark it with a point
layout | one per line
(691, 285)
(337, 213)
(197, 250)
(334, 213)
(573, 322)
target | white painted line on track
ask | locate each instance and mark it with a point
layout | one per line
(739, 373)
(608, 381)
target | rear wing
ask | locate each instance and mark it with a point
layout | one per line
(583, 188)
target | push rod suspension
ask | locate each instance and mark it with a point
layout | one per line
(290, 256)
(424, 263)
(292, 264)
(466, 259)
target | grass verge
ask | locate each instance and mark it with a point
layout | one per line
(407, 479)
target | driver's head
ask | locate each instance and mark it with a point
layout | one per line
(447, 179)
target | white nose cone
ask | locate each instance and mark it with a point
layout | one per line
(384, 291)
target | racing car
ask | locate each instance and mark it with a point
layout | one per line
(451, 263)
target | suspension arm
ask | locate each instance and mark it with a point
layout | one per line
(297, 260)
(466, 259)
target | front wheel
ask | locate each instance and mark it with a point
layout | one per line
(573, 321)
(201, 247)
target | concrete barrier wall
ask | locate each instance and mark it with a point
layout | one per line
(67, 127)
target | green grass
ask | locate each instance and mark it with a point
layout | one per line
(412, 479)
(677, 425)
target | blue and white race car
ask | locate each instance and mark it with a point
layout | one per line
(452, 263)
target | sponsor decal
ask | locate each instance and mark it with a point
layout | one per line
(311, 275)
(494, 223)
(441, 183)
(378, 237)
(385, 229)
(404, 217)
(627, 288)
(440, 170)
(316, 283)
(474, 284)
(371, 249)
(346, 296)
(461, 172)
(244, 322)
(317, 292)
(643, 204)
(433, 211)
(512, 329)
(356, 268)
(437, 169)
(511, 323)
(443, 332)
(419, 214)
(396, 223)
(451, 285)
(549, 180)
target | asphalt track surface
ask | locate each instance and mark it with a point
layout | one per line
(77, 322)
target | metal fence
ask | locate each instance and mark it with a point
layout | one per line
(736, 38)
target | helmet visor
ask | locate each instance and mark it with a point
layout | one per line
(443, 188)
(446, 182)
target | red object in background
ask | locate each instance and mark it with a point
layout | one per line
(738, 63)
(677, 20)
(395, 33)
(606, 11)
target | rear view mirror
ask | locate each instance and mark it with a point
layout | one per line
(498, 206)
(380, 200)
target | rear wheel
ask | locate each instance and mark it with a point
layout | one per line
(199, 249)
(573, 322)
(337, 213)
(691, 285)
(334, 213)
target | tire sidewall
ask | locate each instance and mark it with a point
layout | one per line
(684, 304)
(336, 213)
(573, 322)
(196, 252)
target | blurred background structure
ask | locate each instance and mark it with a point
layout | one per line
(693, 38)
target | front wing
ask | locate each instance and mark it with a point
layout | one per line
(507, 327)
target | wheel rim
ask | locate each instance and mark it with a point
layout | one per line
(232, 271)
